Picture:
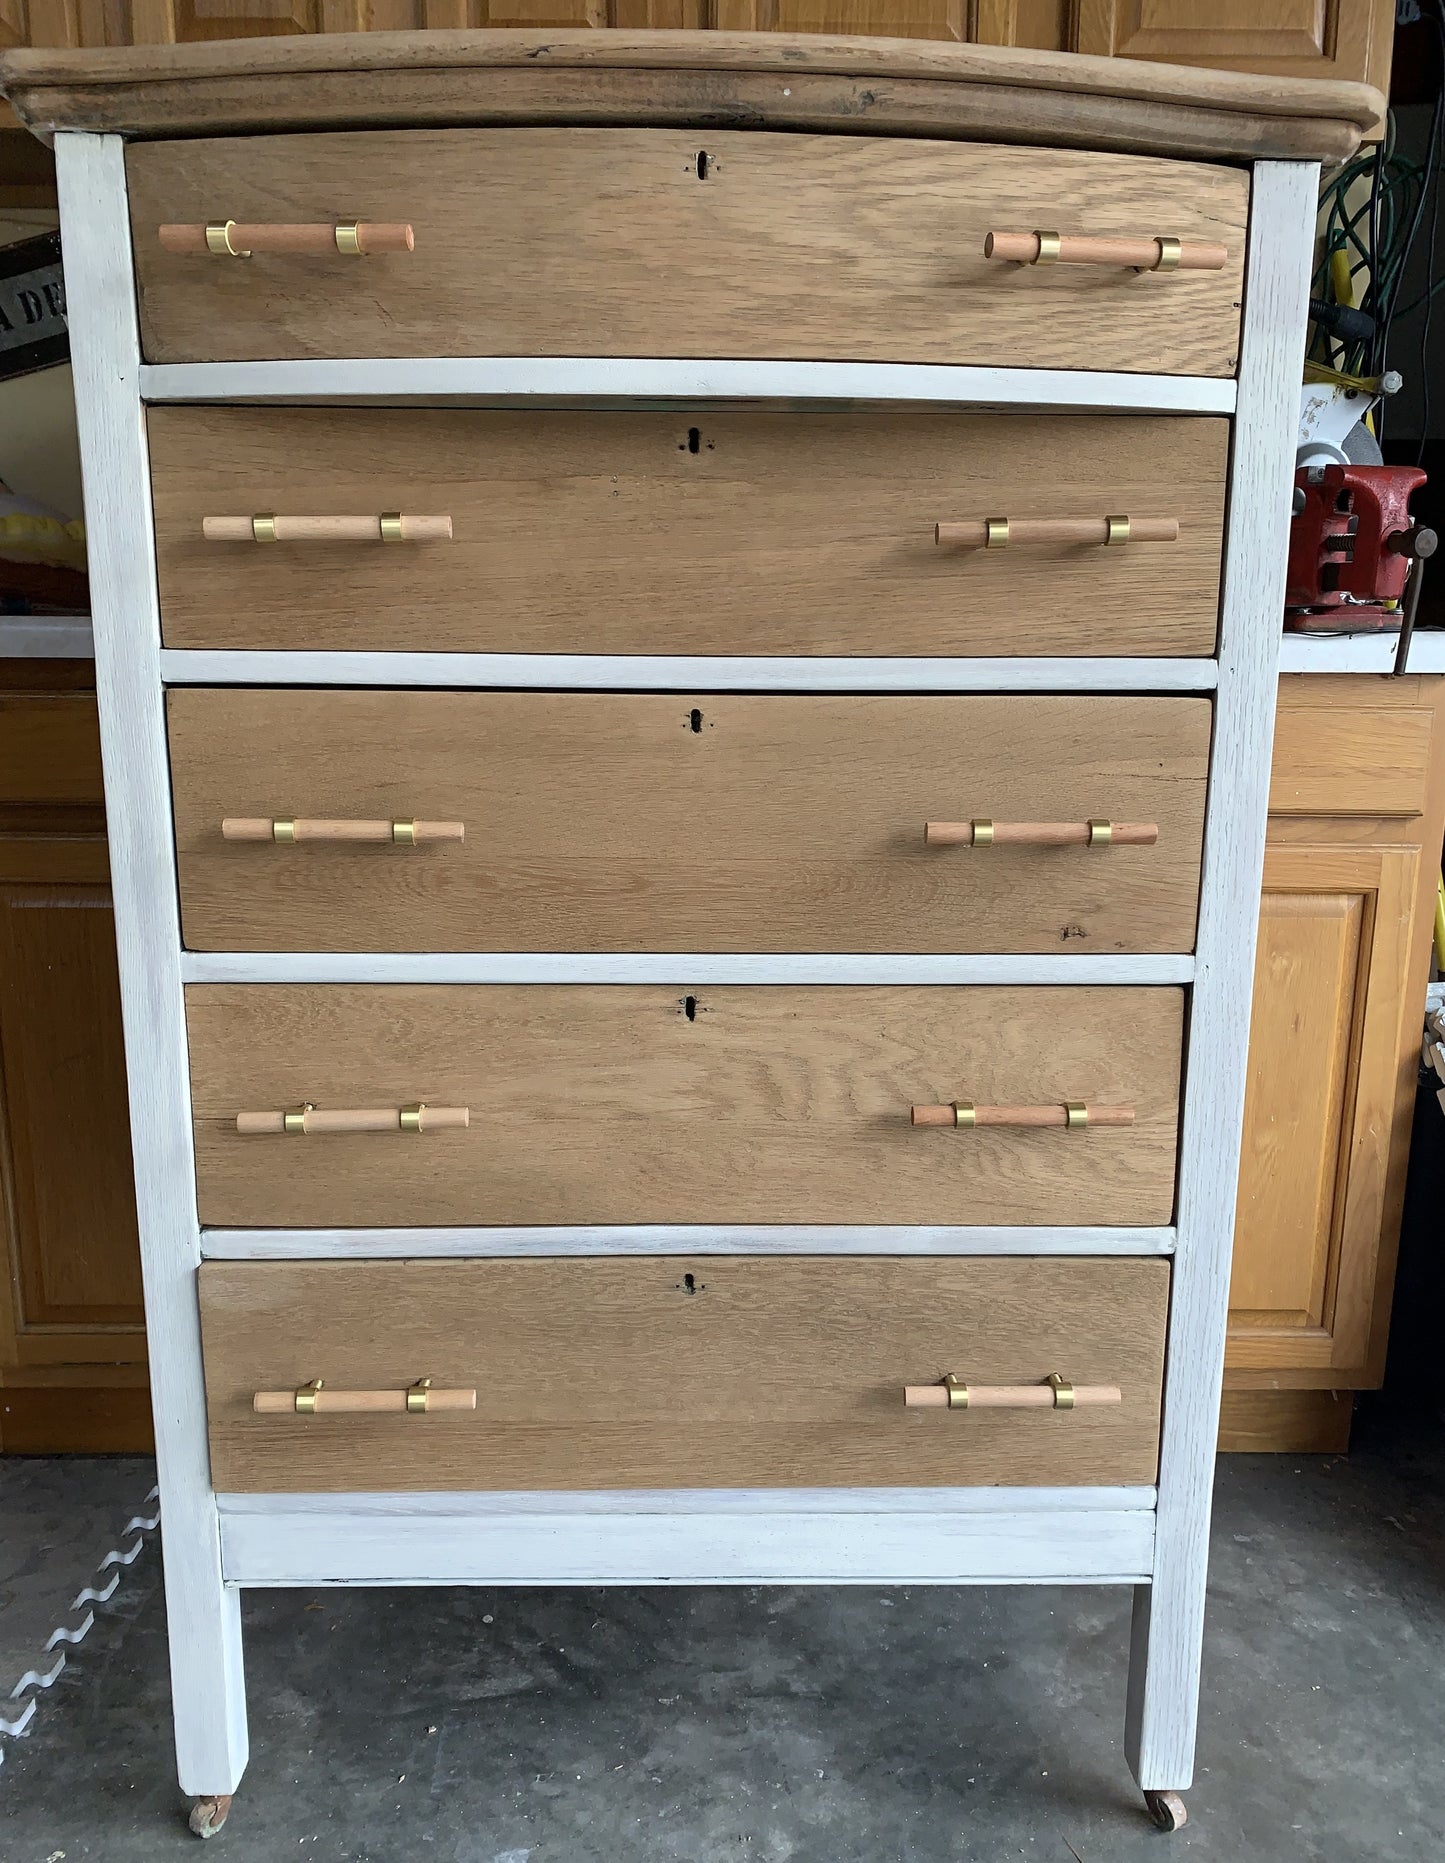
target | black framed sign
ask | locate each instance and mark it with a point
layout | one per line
(33, 331)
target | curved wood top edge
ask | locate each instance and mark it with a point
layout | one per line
(871, 86)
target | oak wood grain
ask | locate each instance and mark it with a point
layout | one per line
(1357, 811)
(638, 1104)
(716, 531)
(663, 1373)
(624, 242)
(631, 822)
(827, 82)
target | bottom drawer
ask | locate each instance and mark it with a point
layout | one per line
(720, 1371)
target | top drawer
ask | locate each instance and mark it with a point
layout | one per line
(613, 242)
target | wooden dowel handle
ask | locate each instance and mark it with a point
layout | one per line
(1150, 253)
(1009, 1396)
(386, 527)
(997, 533)
(1073, 1115)
(285, 829)
(309, 1121)
(283, 1403)
(1097, 833)
(239, 239)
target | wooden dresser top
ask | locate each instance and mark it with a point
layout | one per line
(717, 80)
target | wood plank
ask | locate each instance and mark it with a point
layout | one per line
(615, 1105)
(49, 749)
(1285, 1422)
(717, 531)
(717, 1537)
(98, 1419)
(743, 1373)
(1351, 759)
(597, 822)
(625, 243)
(911, 87)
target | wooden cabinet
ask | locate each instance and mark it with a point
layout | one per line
(72, 1337)
(1292, 38)
(1356, 810)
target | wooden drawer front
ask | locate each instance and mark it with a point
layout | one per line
(49, 749)
(608, 242)
(619, 822)
(729, 532)
(1350, 759)
(722, 1371)
(622, 1104)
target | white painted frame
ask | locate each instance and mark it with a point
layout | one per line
(214, 1545)
(1169, 1612)
(681, 969)
(602, 380)
(204, 1616)
(679, 1239)
(863, 1536)
(207, 666)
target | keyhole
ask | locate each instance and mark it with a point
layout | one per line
(691, 1285)
(694, 440)
(689, 1008)
(703, 164)
(694, 719)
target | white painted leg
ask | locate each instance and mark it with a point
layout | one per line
(1169, 1613)
(204, 1617)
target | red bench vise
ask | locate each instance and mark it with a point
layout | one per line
(1351, 546)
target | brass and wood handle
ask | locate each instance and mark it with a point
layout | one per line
(1055, 1393)
(307, 1120)
(998, 533)
(384, 527)
(981, 832)
(239, 239)
(288, 829)
(309, 1400)
(1155, 252)
(1071, 1115)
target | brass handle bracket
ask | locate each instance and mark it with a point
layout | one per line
(1063, 1391)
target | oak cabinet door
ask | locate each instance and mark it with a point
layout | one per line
(1316, 1186)
(72, 1327)
(1289, 38)
(74, 1263)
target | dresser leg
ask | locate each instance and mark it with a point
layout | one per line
(207, 1688)
(1163, 1706)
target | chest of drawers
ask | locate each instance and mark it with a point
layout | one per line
(686, 642)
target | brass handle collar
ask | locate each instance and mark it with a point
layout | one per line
(221, 240)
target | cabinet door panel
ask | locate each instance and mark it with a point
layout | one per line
(892, 19)
(69, 1211)
(1293, 38)
(1320, 1108)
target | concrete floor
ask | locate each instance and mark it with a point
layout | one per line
(60, 1517)
(846, 1726)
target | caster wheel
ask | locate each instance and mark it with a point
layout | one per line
(209, 1814)
(1166, 1809)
